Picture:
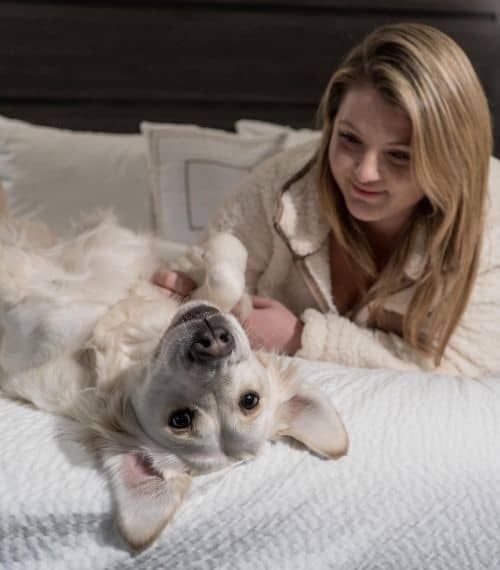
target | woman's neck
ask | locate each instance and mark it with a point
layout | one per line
(383, 239)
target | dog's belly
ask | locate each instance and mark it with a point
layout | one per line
(130, 330)
(36, 330)
(51, 299)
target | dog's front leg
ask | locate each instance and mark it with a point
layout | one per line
(218, 268)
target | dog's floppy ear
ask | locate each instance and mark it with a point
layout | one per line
(146, 499)
(309, 417)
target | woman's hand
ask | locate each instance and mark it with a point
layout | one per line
(272, 326)
(174, 282)
(269, 324)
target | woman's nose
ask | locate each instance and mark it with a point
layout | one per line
(367, 170)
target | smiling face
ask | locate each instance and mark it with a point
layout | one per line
(369, 158)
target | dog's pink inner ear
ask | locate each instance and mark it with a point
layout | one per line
(145, 499)
(137, 468)
(309, 418)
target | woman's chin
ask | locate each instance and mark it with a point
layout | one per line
(362, 213)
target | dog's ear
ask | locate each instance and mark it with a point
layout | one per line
(309, 417)
(145, 499)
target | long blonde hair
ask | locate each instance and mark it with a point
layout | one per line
(426, 74)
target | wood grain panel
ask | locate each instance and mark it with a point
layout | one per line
(104, 65)
(448, 6)
(126, 117)
(71, 52)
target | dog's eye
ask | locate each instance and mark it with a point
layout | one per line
(180, 419)
(249, 400)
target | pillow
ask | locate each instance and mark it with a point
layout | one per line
(290, 137)
(54, 175)
(194, 170)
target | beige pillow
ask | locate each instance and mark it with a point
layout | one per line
(54, 174)
(290, 137)
(194, 170)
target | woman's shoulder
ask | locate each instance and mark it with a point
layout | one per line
(257, 196)
(264, 185)
(277, 170)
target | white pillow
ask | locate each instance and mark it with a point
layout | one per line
(291, 137)
(194, 170)
(54, 174)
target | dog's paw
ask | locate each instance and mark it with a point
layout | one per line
(225, 259)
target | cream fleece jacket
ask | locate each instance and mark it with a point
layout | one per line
(276, 215)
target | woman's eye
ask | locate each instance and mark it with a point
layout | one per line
(180, 419)
(349, 138)
(249, 400)
(399, 156)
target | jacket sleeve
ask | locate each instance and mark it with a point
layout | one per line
(247, 218)
(473, 349)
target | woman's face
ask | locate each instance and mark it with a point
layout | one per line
(369, 157)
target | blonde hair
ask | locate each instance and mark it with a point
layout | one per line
(426, 74)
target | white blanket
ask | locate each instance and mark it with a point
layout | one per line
(419, 489)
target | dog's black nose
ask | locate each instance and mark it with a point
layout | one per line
(211, 343)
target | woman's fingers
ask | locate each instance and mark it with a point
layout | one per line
(174, 281)
(247, 303)
(261, 302)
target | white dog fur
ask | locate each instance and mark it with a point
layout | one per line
(160, 391)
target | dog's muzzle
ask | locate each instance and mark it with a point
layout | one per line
(199, 311)
(210, 338)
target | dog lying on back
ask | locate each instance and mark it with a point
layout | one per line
(161, 391)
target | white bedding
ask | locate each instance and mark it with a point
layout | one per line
(420, 489)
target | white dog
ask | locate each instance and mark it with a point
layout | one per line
(162, 392)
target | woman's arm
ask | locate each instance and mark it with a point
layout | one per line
(335, 338)
(473, 349)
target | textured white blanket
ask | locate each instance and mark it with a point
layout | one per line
(420, 489)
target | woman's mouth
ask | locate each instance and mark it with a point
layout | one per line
(366, 193)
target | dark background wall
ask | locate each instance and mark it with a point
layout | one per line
(107, 65)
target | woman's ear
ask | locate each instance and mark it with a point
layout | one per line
(145, 499)
(309, 417)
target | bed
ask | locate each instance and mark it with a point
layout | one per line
(418, 489)
(120, 105)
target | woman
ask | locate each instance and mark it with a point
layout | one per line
(378, 248)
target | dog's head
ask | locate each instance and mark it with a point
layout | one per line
(204, 401)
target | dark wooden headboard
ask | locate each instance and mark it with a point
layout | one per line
(98, 65)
